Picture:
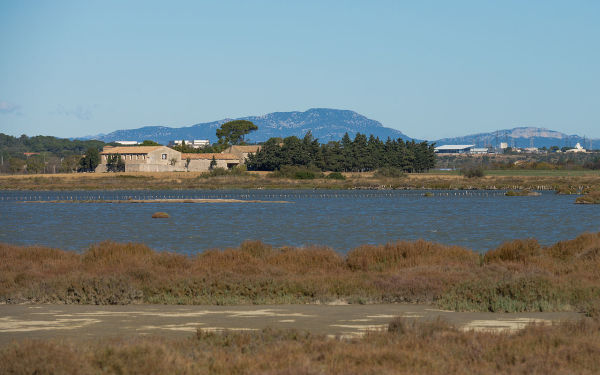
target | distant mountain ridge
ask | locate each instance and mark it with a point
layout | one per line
(328, 124)
(325, 124)
(521, 137)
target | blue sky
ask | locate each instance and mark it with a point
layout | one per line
(431, 69)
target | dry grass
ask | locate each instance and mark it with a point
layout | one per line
(517, 276)
(407, 347)
(194, 180)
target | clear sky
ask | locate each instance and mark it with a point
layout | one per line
(431, 69)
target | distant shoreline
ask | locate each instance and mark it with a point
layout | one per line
(216, 200)
(564, 182)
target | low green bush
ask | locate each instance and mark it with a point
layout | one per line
(389, 172)
(472, 172)
(297, 173)
(336, 176)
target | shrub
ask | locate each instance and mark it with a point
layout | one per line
(238, 170)
(297, 172)
(471, 172)
(515, 294)
(514, 251)
(404, 254)
(389, 172)
(218, 172)
(592, 197)
(336, 176)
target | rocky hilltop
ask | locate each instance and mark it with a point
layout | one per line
(324, 123)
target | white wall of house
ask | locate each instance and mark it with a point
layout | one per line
(203, 165)
(162, 159)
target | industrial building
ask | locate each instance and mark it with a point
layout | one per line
(454, 149)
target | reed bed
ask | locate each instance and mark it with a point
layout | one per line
(519, 275)
(407, 347)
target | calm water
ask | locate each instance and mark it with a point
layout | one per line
(339, 219)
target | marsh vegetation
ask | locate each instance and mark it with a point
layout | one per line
(593, 197)
(519, 275)
(407, 347)
(295, 178)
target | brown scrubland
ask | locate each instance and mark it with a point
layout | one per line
(407, 347)
(519, 275)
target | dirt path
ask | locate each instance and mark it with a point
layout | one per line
(85, 321)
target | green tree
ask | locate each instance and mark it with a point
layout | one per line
(269, 158)
(35, 164)
(362, 154)
(16, 165)
(120, 165)
(149, 142)
(184, 148)
(115, 163)
(233, 132)
(90, 161)
(69, 163)
(213, 163)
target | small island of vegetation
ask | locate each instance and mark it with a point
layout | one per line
(592, 197)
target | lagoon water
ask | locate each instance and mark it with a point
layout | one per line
(342, 220)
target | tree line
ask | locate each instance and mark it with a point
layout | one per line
(42, 154)
(359, 155)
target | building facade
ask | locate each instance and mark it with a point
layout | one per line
(165, 159)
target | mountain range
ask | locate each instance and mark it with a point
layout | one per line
(324, 124)
(331, 124)
(521, 137)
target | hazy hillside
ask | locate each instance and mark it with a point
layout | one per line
(331, 124)
(521, 137)
(325, 124)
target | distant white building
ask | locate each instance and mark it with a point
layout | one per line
(196, 143)
(454, 149)
(479, 150)
(127, 143)
(201, 142)
(577, 148)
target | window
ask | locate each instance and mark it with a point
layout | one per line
(164, 156)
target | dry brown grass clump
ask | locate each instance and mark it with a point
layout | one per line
(404, 254)
(407, 347)
(160, 215)
(514, 251)
(519, 275)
